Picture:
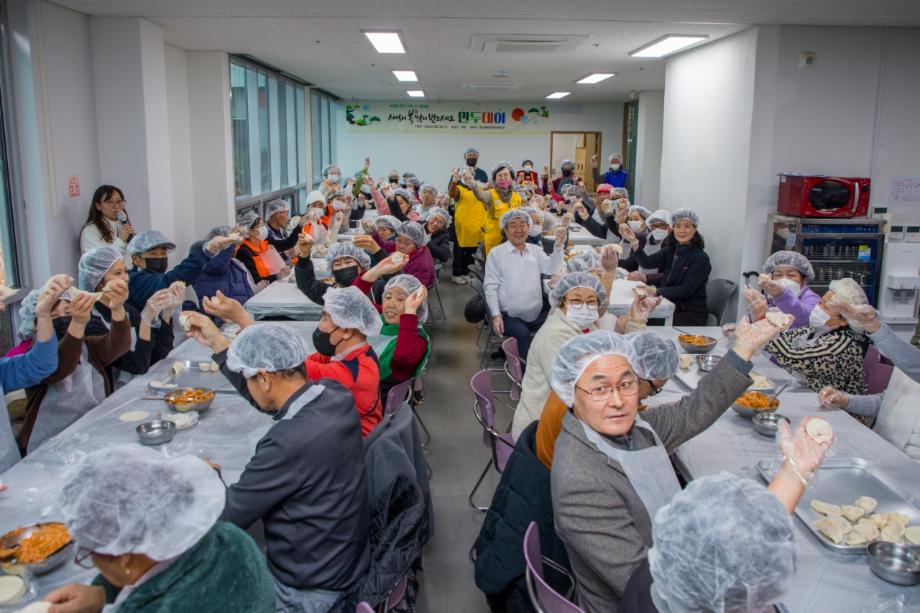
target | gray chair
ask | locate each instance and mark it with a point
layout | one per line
(718, 294)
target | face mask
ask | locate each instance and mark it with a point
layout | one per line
(345, 276)
(322, 342)
(536, 230)
(333, 178)
(394, 180)
(566, 172)
(659, 234)
(155, 264)
(818, 318)
(614, 167)
(528, 168)
(789, 284)
(60, 326)
(263, 232)
(315, 213)
(503, 184)
(582, 316)
(635, 226)
(471, 162)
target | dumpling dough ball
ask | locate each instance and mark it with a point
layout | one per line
(868, 503)
(819, 430)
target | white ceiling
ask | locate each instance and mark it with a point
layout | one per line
(321, 41)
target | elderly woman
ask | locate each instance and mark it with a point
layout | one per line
(150, 525)
(498, 200)
(685, 268)
(225, 273)
(411, 242)
(787, 288)
(345, 261)
(611, 470)
(260, 257)
(578, 298)
(437, 225)
(385, 226)
(427, 198)
(397, 202)
(658, 226)
(830, 350)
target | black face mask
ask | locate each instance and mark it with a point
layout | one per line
(345, 276)
(471, 162)
(60, 326)
(322, 342)
(155, 264)
(566, 172)
(394, 180)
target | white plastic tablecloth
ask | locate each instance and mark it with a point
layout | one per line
(283, 299)
(622, 296)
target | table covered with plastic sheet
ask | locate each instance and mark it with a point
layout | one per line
(824, 581)
(283, 299)
(226, 433)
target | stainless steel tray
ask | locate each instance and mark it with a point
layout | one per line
(841, 481)
(191, 376)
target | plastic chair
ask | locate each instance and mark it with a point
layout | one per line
(877, 372)
(441, 317)
(514, 367)
(397, 395)
(718, 293)
(363, 607)
(501, 445)
(395, 597)
(544, 598)
(493, 340)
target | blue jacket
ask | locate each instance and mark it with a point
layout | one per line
(226, 274)
(142, 284)
(617, 178)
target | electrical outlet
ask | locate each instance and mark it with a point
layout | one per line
(808, 59)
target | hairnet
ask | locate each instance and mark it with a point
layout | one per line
(498, 168)
(471, 151)
(413, 180)
(436, 210)
(147, 240)
(849, 291)
(428, 187)
(724, 543)
(577, 354)
(619, 192)
(247, 219)
(414, 231)
(408, 284)
(405, 194)
(790, 258)
(567, 163)
(27, 314)
(513, 214)
(585, 262)
(218, 231)
(276, 206)
(366, 190)
(350, 308)
(685, 214)
(525, 162)
(577, 279)
(656, 355)
(641, 210)
(615, 156)
(660, 216)
(347, 250)
(129, 499)
(93, 266)
(327, 169)
(389, 221)
(266, 347)
(315, 196)
(604, 187)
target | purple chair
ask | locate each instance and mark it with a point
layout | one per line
(543, 598)
(395, 597)
(363, 607)
(397, 395)
(877, 372)
(501, 445)
(514, 367)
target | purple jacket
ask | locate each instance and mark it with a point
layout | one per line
(799, 306)
(420, 264)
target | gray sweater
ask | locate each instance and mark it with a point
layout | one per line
(599, 517)
(904, 355)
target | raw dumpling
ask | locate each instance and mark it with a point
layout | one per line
(912, 534)
(819, 430)
(178, 367)
(686, 361)
(866, 528)
(892, 532)
(780, 320)
(852, 512)
(185, 323)
(215, 367)
(900, 518)
(764, 277)
(867, 503)
(204, 366)
(856, 538)
(824, 508)
(831, 528)
(878, 519)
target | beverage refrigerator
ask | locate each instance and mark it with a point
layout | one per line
(837, 248)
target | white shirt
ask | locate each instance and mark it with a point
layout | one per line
(512, 283)
(91, 237)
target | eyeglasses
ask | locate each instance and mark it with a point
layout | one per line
(602, 393)
(577, 302)
(655, 389)
(83, 558)
(114, 203)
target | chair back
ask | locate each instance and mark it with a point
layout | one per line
(543, 598)
(513, 366)
(484, 409)
(398, 592)
(877, 373)
(397, 395)
(718, 293)
(363, 607)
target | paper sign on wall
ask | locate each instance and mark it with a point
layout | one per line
(447, 118)
(904, 190)
(73, 186)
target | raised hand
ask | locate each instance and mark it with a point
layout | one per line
(757, 304)
(226, 308)
(751, 337)
(800, 451)
(81, 305)
(415, 300)
(610, 259)
(864, 315)
(54, 287)
(115, 294)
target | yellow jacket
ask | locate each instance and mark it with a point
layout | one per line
(492, 234)
(469, 215)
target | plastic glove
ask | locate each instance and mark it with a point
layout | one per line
(831, 398)
(751, 337)
(864, 315)
(803, 455)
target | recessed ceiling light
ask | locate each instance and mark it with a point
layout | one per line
(405, 75)
(596, 77)
(415, 93)
(667, 45)
(557, 95)
(386, 42)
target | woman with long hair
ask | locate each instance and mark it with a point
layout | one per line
(107, 224)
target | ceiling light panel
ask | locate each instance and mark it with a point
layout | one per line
(667, 45)
(386, 42)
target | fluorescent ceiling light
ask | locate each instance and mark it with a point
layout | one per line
(557, 95)
(667, 45)
(415, 93)
(596, 77)
(405, 75)
(386, 42)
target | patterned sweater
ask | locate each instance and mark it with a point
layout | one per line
(834, 358)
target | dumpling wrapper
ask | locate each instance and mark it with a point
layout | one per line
(819, 430)
(825, 508)
(12, 588)
(912, 534)
(133, 416)
(40, 606)
(867, 502)
(185, 323)
(852, 512)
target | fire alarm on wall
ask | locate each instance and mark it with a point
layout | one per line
(808, 59)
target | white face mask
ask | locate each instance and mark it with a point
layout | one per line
(635, 226)
(263, 232)
(659, 234)
(789, 284)
(582, 316)
(614, 167)
(528, 168)
(536, 230)
(818, 318)
(333, 178)
(315, 213)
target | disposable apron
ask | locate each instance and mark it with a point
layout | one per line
(120, 377)
(67, 401)
(649, 470)
(650, 250)
(611, 237)
(898, 416)
(306, 398)
(9, 452)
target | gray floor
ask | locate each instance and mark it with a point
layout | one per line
(457, 456)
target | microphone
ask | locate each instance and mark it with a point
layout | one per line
(123, 220)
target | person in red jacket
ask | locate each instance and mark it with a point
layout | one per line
(412, 242)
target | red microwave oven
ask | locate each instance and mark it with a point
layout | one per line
(823, 196)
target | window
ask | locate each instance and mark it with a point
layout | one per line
(323, 113)
(269, 142)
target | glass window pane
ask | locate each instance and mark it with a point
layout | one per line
(317, 137)
(334, 108)
(264, 138)
(327, 149)
(255, 151)
(289, 138)
(301, 138)
(274, 117)
(239, 118)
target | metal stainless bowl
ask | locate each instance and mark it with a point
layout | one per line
(707, 362)
(767, 423)
(156, 432)
(748, 413)
(899, 564)
(709, 346)
(53, 561)
(185, 407)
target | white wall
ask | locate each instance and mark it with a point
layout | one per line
(431, 156)
(180, 144)
(648, 149)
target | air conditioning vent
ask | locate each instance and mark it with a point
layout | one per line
(504, 86)
(525, 43)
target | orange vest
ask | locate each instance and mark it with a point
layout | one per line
(257, 251)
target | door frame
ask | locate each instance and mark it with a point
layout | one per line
(598, 145)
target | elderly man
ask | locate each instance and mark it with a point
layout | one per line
(615, 174)
(513, 286)
(471, 159)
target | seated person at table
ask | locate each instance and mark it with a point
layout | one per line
(788, 288)
(277, 216)
(307, 480)
(150, 525)
(611, 470)
(427, 197)
(31, 367)
(577, 299)
(436, 225)
(318, 216)
(830, 350)
(345, 261)
(541, 223)
(386, 225)
(224, 273)
(513, 284)
(261, 257)
(411, 241)
(659, 232)
(82, 378)
(685, 268)
(902, 354)
(726, 543)
(497, 200)
(149, 253)
(151, 328)
(398, 202)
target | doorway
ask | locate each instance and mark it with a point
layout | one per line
(630, 138)
(578, 147)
